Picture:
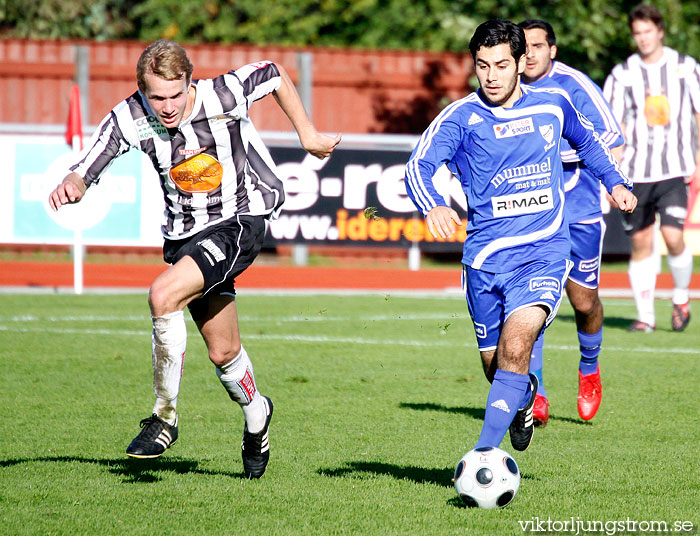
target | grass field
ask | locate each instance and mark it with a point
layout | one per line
(376, 399)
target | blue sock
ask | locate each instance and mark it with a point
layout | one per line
(509, 392)
(590, 350)
(536, 363)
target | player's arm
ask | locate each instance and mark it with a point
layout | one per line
(106, 144)
(595, 154)
(71, 190)
(695, 176)
(288, 99)
(436, 147)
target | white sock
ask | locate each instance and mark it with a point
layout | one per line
(239, 381)
(168, 342)
(643, 282)
(682, 270)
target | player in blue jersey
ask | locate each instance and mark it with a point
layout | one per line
(582, 208)
(503, 143)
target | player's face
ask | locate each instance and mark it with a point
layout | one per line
(167, 98)
(538, 60)
(499, 74)
(648, 38)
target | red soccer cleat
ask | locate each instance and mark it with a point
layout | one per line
(680, 316)
(590, 393)
(540, 412)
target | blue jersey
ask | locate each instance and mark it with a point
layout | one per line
(508, 162)
(581, 186)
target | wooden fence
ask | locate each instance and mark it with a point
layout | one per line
(353, 91)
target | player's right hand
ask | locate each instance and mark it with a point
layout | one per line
(441, 221)
(65, 193)
(624, 199)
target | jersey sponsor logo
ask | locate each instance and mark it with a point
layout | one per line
(149, 127)
(226, 116)
(212, 248)
(657, 110)
(545, 282)
(539, 170)
(475, 119)
(505, 206)
(588, 265)
(480, 330)
(200, 173)
(514, 128)
(547, 132)
(191, 152)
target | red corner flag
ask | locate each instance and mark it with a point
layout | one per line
(74, 129)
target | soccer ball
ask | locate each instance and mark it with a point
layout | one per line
(487, 477)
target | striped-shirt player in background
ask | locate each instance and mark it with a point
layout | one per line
(503, 143)
(219, 185)
(583, 211)
(655, 96)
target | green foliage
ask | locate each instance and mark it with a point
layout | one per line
(56, 19)
(592, 35)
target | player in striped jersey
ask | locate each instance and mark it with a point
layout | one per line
(655, 95)
(219, 185)
(502, 142)
(583, 210)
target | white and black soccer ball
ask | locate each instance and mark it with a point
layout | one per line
(487, 477)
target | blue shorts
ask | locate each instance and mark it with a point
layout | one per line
(492, 298)
(586, 248)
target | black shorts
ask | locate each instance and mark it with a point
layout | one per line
(222, 252)
(668, 198)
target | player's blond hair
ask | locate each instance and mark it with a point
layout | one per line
(165, 59)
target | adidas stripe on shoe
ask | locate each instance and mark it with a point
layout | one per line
(155, 436)
(523, 426)
(255, 448)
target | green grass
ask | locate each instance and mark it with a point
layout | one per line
(376, 399)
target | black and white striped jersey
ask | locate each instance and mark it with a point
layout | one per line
(213, 166)
(656, 104)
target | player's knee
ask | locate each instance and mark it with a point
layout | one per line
(160, 300)
(222, 355)
(586, 305)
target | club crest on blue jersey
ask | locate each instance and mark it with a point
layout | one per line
(514, 128)
(544, 283)
(547, 132)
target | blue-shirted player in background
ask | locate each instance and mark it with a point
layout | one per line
(503, 144)
(582, 208)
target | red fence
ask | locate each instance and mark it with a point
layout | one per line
(353, 90)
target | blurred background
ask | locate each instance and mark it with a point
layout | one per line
(377, 71)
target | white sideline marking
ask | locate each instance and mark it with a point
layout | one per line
(334, 340)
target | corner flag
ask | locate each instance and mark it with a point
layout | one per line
(74, 129)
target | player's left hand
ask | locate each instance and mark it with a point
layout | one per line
(442, 221)
(625, 200)
(694, 179)
(320, 145)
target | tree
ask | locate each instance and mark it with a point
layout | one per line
(592, 35)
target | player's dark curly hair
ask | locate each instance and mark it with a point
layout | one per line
(496, 32)
(530, 24)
